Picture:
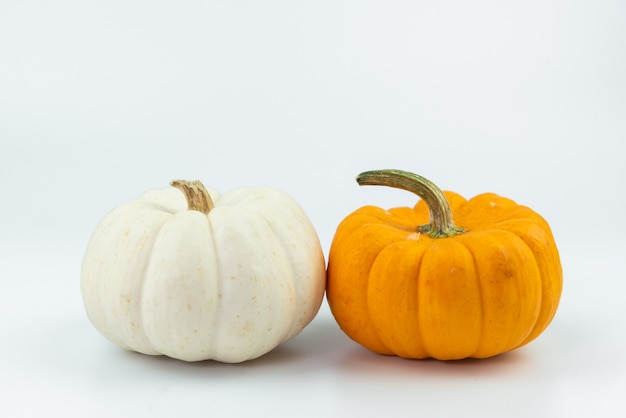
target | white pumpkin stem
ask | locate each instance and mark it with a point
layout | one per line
(441, 224)
(198, 198)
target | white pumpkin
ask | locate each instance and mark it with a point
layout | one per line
(187, 273)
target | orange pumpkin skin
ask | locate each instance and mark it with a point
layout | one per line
(477, 294)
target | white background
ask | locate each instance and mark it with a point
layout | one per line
(100, 101)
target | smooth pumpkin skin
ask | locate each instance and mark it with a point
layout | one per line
(492, 289)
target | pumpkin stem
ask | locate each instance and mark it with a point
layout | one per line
(441, 224)
(197, 196)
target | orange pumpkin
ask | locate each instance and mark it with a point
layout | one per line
(410, 282)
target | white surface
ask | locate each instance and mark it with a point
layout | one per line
(100, 102)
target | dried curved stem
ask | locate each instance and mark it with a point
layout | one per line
(441, 224)
(197, 196)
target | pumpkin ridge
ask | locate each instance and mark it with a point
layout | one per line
(218, 290)
(144, 277)
(512, 294)
(287, 334)
(550, 277)
(418, 323)
(534, 324)
(480, 297)
(370, 323)
(403, 349)
(531, 326)
(448, 305)
(337, 277)
(543, 317)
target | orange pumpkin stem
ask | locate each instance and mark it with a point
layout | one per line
(198, 198)
(441, 224)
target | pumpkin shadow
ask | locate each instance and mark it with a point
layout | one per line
(299, 356)
(360, 361)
